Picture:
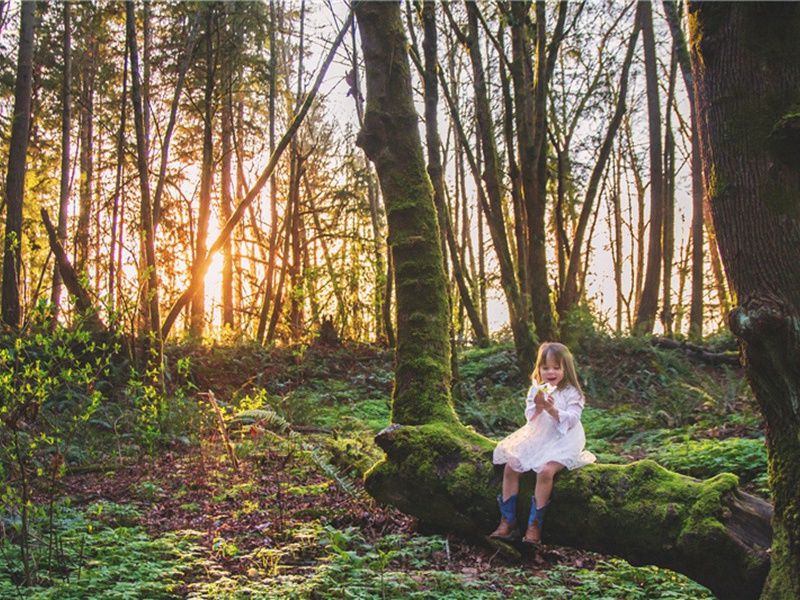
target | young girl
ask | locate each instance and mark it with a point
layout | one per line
(552, 439)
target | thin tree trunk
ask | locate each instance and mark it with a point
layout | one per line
(667, 315)
(648, 303)
(295, 226)
(66, 124)
(273, 183)
(114, 263)
(149, 266)
(533, 157)
(86, 157)
(616, 245)
(193, 37)
(15, 176)
(671, 10)
(435, 172)
(198, 305)
(226, 193)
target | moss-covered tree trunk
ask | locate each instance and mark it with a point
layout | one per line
(391, 139)
(440, 471)
(746, 61)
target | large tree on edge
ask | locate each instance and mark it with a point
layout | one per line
(746, 62)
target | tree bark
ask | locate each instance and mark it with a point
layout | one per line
(15, 176)
(746, 63)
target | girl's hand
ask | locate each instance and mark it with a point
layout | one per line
(543, 400)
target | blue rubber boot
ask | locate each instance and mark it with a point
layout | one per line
(507, 529)
(533, 535)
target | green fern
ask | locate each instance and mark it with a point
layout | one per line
(263, 418)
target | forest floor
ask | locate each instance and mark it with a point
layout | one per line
(290, 519)
(267, 505)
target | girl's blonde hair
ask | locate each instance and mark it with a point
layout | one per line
(563, 357)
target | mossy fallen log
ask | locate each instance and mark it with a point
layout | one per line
(708, 530)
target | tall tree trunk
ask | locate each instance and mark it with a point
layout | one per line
(667, 316)
(226, 193)
(532, 133)
(66, 124)
(273, 182)
(150, 266)
(746, 62)
(86, 158)
(15, 176)
(115, 262)
(295, 226)
(671, 10)
(616, 245)
(198, 306)
(390, 138)
(648, 303)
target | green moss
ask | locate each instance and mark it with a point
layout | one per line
(718, 184)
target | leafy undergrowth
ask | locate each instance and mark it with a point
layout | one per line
(176, 520)
(187, 526)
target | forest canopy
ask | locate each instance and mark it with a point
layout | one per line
(570, 234)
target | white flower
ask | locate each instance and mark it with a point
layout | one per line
(547, 388)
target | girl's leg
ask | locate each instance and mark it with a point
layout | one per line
(508, 506)
(544, 483)
(510, 482)
(540, 502)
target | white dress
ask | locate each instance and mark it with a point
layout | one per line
(544, 439)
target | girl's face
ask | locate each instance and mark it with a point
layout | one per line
(551, 371)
